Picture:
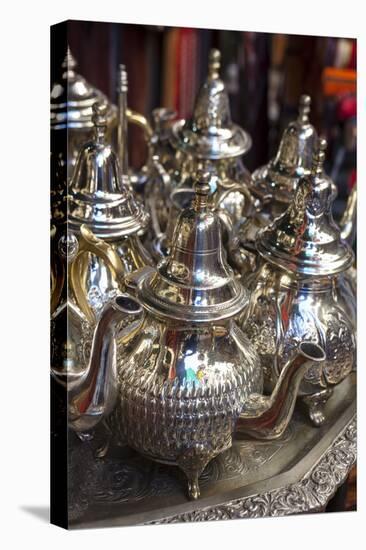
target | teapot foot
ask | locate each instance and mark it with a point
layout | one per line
(193, 488)
(316, 403)
(193, 461)
(98, 440)
(85, 436)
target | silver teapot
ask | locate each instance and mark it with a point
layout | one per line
(275, 183)
(174, 382)
(72, 99)
(103, 208)
(295, 292)
(209, 141)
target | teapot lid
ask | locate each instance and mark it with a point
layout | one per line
(73, 97)
(279, 178)
(98, 195)
(305, 239)
(194, 283)
(210, 133)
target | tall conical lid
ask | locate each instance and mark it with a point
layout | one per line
(210, 133)
(194, 283)
(99, 195)
(305, 239)
(73, 97)
(279, 178)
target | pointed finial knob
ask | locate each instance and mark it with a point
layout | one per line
(202, 189)
(319, 157)
(122, 85)
(214, 63)
(69, 63)
(304, 108)
(99, 118)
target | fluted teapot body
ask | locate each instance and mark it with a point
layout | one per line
(181, 391)
(298, 292)
(286, 310)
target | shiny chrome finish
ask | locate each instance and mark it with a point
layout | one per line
(277, 181)
(348, 222)
(268, 417)
(305, 239)
(185, 372)
(102, 199)
(92, 396)
(122, 136)
(127, 116)
(72, 100)
(211, 134)
(208, 142)
(295, 292)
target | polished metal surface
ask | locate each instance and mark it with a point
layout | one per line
(211, 134)
(305, 240)
(137, 178)
(300, 291)
(277, 181)
(194, 283)
(99, 194)
(101, 198)
(182, 375)
(208, 142)
(297, 473)
(72, 99)
(198, 371)
(348, 222)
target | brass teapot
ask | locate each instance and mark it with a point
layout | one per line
(295, 291)
(174, 382)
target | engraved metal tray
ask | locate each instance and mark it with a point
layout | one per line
(298, 473)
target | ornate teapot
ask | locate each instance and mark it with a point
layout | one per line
(101, 198)
(295, 295)
(173, 383)
(209, 141)
(275, 183)
(72, 99)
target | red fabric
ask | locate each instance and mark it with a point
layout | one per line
(347, 107)
(352, 179)
(353, 59)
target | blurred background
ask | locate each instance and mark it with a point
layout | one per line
(265, 75)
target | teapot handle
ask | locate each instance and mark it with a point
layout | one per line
(57, 272)
(88, 242)
(249, 202)
(165, 180)
(141, 121)
(348, 221)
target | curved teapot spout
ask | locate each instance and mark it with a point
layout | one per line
(348, 221)
(268, 417)
(92, 397)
